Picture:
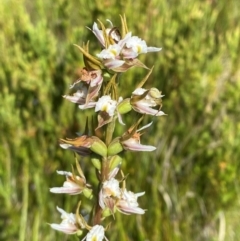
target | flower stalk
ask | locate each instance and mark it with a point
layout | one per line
(98, 89)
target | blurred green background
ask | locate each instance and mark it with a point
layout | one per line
(191, 181)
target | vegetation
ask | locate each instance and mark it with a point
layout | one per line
(192, 180)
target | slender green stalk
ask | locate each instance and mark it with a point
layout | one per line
(36, 224)
(24, 213)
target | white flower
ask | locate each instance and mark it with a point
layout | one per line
(99, 33)
(97, 78)
(110, 56)
(143, 100)
(128, 203)
(79, 96)
(95, 234)
(105, 103)
(110, 53)
(73, 184)
(114, 63)
(136, 46)
(68, 224)
(132, 141)
(109, 189)
(139, 91)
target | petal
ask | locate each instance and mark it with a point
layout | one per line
(147, 110)
(129, 53)
(144, 127)
(101, 199)
(67, 190)
(65, 228)
(69, 174)
(130, 210)
(98, 33)
(98, 80)
(153, 49)
(139, 91)
(137, 147)
(120, 119)
(75, 99)
(113, 173)
(139, 194)
(87, 106)
(111, 53)
(122, 42)
(96, 233)
(83, 151)
(113, 63)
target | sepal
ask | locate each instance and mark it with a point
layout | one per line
(90, 61)
(115, 147)
(98, 146)
(96, 163)
(107, 212)
(87, 193)
(124, 106)
(115, 161)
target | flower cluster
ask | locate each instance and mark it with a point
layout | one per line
(112, 197)
(120, 53)
(98, 89)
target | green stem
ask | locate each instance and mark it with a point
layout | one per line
(104, 175)
(105, 160)
(109, 131)
(24, 210)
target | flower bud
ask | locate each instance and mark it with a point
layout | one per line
(155, 93)
(79, 232)
(115, 161)
(96, 162)
(124, 106)
(87, 193)
(115, 147)
(107, 212)
(98, 146)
